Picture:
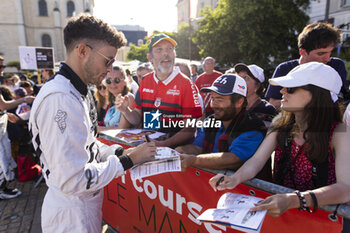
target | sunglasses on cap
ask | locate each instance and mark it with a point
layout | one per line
(116, 80)
(291, 90)
(109, 61)
(101, 87)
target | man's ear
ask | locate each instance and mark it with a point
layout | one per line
(82, 50)
(239, 102)
(149, 58)
(302, 52)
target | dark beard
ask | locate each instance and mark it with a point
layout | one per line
(229, 114)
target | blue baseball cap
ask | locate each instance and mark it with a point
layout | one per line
(228, 84)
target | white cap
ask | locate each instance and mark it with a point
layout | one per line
(253, 70)
(314, 73)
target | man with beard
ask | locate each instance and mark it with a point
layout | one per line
(63, 123)
(239, 136)
(166, 92)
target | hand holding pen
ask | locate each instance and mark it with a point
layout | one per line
(222, 181)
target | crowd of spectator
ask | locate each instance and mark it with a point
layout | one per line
(300, 118)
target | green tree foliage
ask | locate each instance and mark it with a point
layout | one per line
(263, 32)
(183, 40)
(15, 64)
(138, 52)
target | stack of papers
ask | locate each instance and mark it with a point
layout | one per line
(166, 160)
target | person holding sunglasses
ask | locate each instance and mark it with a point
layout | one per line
(102, 103)
(310, 141)
(63, 122)
(117, 85)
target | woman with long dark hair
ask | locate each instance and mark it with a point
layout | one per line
(311, 144)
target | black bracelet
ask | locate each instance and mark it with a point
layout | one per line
(297, 192)
(302, 200)
(119, 151)
(313, 196)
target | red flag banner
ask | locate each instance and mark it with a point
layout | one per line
(171, 202)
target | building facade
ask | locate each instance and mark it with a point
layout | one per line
(187, 9)
(338, 14)
(37, 23)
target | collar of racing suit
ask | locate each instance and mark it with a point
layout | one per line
(67, 72)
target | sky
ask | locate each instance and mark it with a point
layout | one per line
(152, 15)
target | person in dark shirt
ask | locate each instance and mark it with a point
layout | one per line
(316, 43)
(254, 77)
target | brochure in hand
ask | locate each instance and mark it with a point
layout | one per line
(233, 210)
(131, 137)
(166, 160)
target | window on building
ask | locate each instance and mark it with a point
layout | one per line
(46, 40)
(346, 2)
(70, 8)
(87, 6)
(42, 8)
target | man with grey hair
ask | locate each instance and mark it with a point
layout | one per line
(166, 93)
(206, 80)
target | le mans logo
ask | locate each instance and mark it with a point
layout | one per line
(151, 120)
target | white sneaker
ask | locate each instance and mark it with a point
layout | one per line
(9, 193)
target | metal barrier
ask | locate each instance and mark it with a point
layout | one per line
(342, 210)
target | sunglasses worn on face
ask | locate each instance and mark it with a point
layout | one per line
(2, 66)
(116, 80)
(101, 87)
(291, 90)
(109, 61)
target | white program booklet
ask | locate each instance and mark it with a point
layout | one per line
(233, 210)
(166, 160)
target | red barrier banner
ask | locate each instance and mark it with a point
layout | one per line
(170, 202)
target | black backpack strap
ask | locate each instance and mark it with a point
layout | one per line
(320, 174)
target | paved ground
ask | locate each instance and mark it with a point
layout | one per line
(22, 214)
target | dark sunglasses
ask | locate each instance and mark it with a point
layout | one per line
(116, 80)
(2, 66)
(101, 87)
(291, 90)
(109, 61)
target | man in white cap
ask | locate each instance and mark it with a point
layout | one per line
(240, 134)
(254, 77)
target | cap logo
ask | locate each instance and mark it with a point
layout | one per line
(242, 87)
(222, 80)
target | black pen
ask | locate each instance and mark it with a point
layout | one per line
(220, 180)
(147, 138)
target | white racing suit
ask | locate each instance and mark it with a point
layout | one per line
(75, 165)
